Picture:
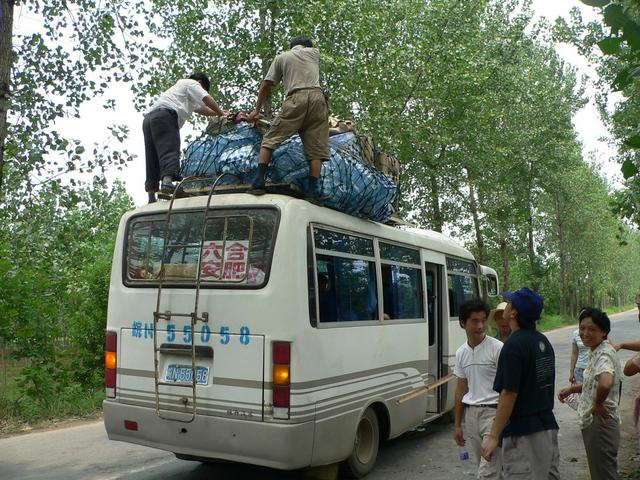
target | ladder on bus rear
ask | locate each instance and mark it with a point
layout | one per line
(167, 316)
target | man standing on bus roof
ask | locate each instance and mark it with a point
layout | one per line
(475, 400)
(304, 111)
(525, 380)
(161, 128)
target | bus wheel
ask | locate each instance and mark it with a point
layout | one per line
(365, 446)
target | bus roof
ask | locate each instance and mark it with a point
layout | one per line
(402, 234)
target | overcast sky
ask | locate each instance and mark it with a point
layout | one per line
(94, 120)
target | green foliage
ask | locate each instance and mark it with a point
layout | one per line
(596, 3)
(56, 69)
(618, 38)
(56, 261)
(470, 95)
(630, 475)
(473, 99)
(57, 225)
(551, 322)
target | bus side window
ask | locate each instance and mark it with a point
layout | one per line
(461, 288)
(346, 289)
(402, 292)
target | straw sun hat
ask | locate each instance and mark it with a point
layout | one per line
(492, 314)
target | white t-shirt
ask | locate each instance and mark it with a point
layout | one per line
(184, 97)
(478, 365)
(583, 351)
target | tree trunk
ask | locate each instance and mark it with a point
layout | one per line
(437, 220)
(562, 260)
(265, 57)
(533, 265)
(504, 253)
(564, 284)
(6, 33)
(473, 205)
(531, 252)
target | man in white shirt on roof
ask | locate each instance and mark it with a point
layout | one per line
(476, 401)
(161, 128)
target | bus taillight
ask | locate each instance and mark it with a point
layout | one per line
(281, 379)
(110, 363)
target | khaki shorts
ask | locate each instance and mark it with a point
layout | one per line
(477, 426)
(304, 112)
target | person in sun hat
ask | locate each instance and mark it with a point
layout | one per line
(525, 379)
(497, 320)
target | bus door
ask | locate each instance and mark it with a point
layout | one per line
(433, 273)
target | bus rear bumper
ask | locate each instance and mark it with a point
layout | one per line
(274, 445)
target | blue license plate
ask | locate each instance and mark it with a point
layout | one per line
(184, 373)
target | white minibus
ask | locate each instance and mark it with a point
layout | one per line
(272, 331)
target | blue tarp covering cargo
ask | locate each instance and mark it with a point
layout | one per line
(345, 184)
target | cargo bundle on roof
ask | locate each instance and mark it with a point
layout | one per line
(351, 181)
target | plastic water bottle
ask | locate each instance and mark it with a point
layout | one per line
(465, 461)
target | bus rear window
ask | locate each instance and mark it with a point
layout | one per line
(236, 249)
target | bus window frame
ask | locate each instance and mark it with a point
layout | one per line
(378, 261)
(418, 266)
(448, 272)
(191, 284)
(333, 253)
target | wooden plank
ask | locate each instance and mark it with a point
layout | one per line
(242, 187)
(425, 389)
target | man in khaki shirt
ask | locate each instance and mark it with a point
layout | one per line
(304, 110)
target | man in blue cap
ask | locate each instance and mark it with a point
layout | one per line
(525, 379)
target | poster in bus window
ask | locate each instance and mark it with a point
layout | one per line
(236, 255)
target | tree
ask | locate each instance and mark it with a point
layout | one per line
(44, 78)
(6, 33)
(613, 45)
(55, 271)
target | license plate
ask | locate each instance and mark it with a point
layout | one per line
(183, 373)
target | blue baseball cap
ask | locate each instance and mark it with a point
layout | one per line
(528, 303)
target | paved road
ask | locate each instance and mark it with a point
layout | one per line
(84, 452)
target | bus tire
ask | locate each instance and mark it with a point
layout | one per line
(365, 446)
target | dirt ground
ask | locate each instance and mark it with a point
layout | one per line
(12, 429)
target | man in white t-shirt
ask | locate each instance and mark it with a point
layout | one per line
(476, 401)
(161, 128)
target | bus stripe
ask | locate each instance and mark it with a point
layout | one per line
(300, 387)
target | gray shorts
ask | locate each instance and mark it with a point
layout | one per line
(531, 457)
(601, 442)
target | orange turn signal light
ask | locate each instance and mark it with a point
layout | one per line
(281, 374)
(110, 359)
